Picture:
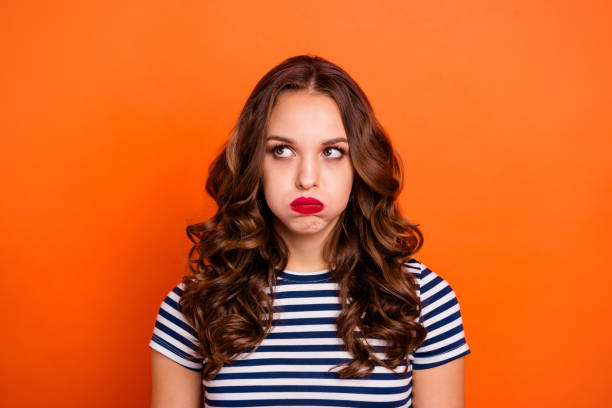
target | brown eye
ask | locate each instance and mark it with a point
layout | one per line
(277, 148)
(338, 149)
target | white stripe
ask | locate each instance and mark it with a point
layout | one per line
(179, 330)
(314, 341)
(173, 341)
(174, 296)
(414, 266)
(335, 382)
(427, 278)
(307, 301)
(246, 396)
(304, 328)
(441, 357)
(307, 314)
(155, 346)
(441, 343)
(174, 312)
(442, 315)
(432, 291)
(306, 287)
(312, 355)
(293, 406)
(273, 368)
(444, 328)
(449, 296)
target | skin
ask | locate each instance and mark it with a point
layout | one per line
(306, 167)
(440, 387)
(174, 386)
(309, 167)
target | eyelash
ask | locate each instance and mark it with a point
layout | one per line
(273, 149)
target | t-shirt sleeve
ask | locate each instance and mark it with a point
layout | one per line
(441, 317)
(173, 336)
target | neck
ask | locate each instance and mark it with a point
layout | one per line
(305, 250)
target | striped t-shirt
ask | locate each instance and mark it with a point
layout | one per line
(290, 367)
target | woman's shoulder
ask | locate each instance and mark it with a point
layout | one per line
(414, 267)
(170, 308)
(430, 285)
(418, 269)
(440, 315)
(173, 335)
(172, 298)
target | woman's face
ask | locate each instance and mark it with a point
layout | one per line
(307, 157)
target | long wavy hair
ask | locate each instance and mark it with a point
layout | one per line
(237, 254)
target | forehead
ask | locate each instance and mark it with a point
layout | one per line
(303, 116)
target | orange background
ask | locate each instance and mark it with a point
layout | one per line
(111, 112)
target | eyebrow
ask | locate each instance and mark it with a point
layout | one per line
(325, 143)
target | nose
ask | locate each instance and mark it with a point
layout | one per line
(307, 173)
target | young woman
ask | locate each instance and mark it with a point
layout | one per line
(305, 291)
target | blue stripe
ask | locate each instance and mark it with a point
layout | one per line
(308, 402)
(308, 375)
(288, 361)
(424, 272)
(441, 308)
(413, 266)
(438, 363)
(304, 335)
(178, 290)
(441, 336)
(305, 348)
(175, 335)
(434, 297)
(294, 294)
(286, 279)
(307, 388)
(176, 350)
(429, 285)
(308, 308)
(301, 348)
(449, 319)
(306, 321)
(187, 327)
(440, 350)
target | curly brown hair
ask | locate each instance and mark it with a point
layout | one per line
(240, 254)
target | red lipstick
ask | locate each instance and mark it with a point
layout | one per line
(306, 205)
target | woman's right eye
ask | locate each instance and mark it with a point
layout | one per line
(277, 148)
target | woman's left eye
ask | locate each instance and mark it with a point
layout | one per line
(338, 149)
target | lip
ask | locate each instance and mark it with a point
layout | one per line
(306, 205)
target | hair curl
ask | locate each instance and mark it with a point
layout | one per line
(240, 254)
